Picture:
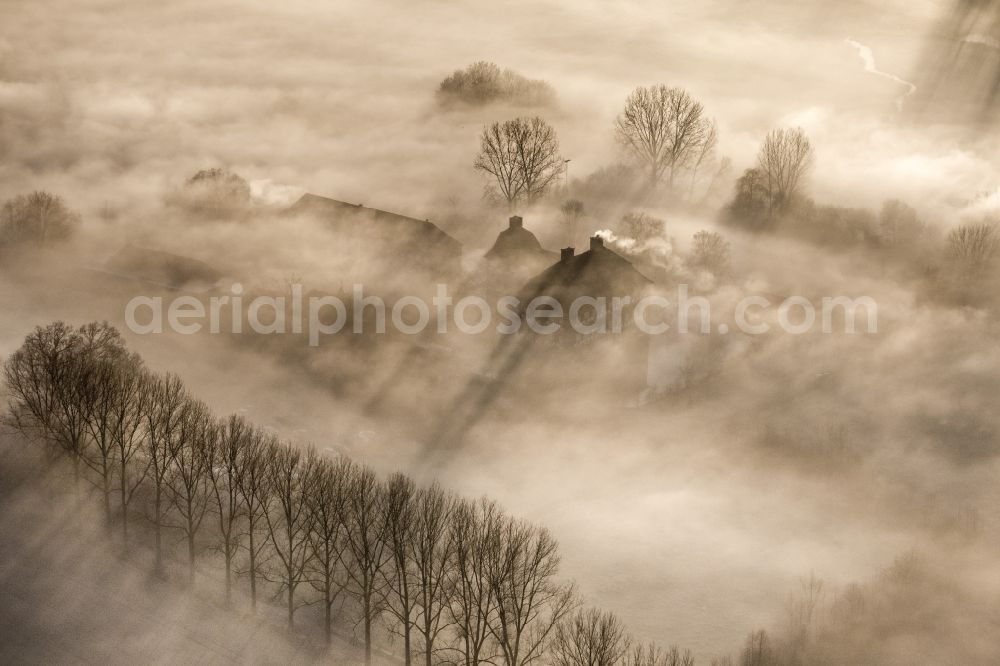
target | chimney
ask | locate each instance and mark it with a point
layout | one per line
(516, 222)
(596, 242)
(566, 253)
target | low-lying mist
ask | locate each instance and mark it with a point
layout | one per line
(693, 506)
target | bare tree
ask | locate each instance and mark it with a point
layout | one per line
(98, 363)
(751, 205)
(642, 226)
(483, 82)
(401, 575)
(61, 384)
(479, 84)
(898, 224)
(802, 608)
(710, 252)
(190, 457)
(215, 191)
(94, 390)
(650, 654)
(498, 158)
(784, 160)
(367, 547)
(589, 638)
(131, 406)
(704, 155)
(431, 560)
(40, 218)
(41, 376)
(29, 375)
(677, 658)
(289, 480)
(974, 246)
(538, 157)
(665, 129)
(258, 454)
(530, 602)
(757, 650)
(325, 504)
(432, 552)
(225, 474)
(165, 402)
(522, 156)
(475, 534)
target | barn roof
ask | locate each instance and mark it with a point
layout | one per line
(342, 213)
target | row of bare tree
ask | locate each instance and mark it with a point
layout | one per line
(457, 580)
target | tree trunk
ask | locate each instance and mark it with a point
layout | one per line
(327, 627)
(368, 627)
(124, 501)
(368, 641)
(290, 572)
(158, 521)
(253, 572)
(76, 480)
(407, 625)
(190, 536)
(427, 638)
(106, 481)
(229, 574)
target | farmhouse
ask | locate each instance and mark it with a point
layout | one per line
(377, 240)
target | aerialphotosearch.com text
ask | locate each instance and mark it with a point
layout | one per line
(653, 314)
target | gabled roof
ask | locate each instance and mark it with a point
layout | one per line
(517, 241)
(596, 272)
(341, 214)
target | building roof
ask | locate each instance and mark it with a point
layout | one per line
(401, 227)
(596, 272)
(516, 241)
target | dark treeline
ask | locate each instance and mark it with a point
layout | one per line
(483, 83)
(423, 574)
